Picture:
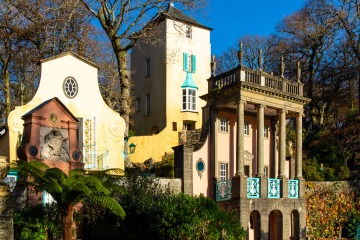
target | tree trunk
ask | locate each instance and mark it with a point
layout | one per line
(125, 87)
(69, 228)
(7, 92)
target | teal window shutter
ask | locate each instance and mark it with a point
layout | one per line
(193, 64)
(185, 56)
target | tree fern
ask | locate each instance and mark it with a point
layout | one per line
(69, 190)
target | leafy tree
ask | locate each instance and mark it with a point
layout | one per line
(69, 191)
(328, 208)
(326, 158)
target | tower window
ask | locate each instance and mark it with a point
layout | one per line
(147, 67)
(189, 63)
(189, 99)
(147, 104)
(188, 31)
(137, 104)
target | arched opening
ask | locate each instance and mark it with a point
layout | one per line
(254, 226)
(275, 225)
(295, 225)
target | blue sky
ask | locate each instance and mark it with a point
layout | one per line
(231, 19)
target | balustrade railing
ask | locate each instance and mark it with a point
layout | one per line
(293, 188)
(253, 187)
(273, 188)
(255, 77)
(223, 190)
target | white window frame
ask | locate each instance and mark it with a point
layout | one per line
(147, 68)
(147, 104)
(223, 171)
(189, 99)
(224, 125)
(247, 129)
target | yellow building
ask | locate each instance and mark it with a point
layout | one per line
(74, 81)
(168, 78)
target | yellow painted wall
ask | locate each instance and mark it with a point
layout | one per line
(164, 86)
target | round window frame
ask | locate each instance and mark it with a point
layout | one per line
(197, 166)
(65, 85)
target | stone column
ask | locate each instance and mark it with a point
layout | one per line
(273, 149)
(298, 145)
(260, 140)
(282, 142)
(239, 180)
(240, 138)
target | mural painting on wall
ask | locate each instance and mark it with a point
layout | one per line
(54, 144)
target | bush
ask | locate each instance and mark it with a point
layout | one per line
(155, 213)
(38, 222)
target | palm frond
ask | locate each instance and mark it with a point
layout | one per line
(109, 203)
(96, 185)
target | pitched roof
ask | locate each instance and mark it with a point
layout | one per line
(69, 54)
(46, 102)
(175, 14)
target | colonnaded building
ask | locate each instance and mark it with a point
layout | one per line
(242, 158)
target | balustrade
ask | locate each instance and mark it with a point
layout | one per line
(253, 187)
(273, 188)
(293, 186)
(223, 190)
(254, 77)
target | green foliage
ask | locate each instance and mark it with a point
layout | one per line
(156, 213)
(164, 168)
(312, 170)
(187, 217)
(69, 190)
(37, 223)
(326, 158)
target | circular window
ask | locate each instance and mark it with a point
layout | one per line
(70, 87)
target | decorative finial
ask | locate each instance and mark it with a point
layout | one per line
(282, 67)
(260, 60)
(213, 65)
(298, 72)
(240, 54)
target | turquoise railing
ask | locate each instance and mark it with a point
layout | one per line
(223, 190)
(253, 187)
(293, 186)
(273, 188)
